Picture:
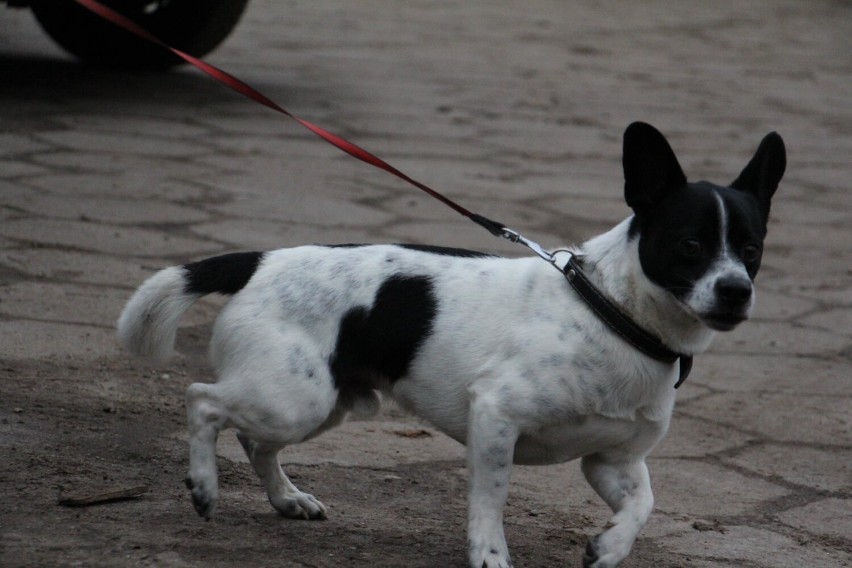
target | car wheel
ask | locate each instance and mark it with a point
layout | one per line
(193, 26)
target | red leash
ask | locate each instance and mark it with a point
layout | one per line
(244, 89)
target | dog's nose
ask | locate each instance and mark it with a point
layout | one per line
(733, 290)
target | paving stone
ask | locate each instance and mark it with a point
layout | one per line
(123, 143)
(790, 271)
(790, 212)
(305, 208)
(442, 147)
(824, 469)
(119, 166)
(743, 545)
(695, 561)
(104, 238)
(14, 144)
(16, 168)
(780, 338)
(772, 305)
(689, 437)
(247, 129)
(818, 419)
(6, 244)
(707, 490)
(123, 211)
(791, 374)
(836, 288)
(62, 302)
(823, 237)
(55, 342)
(143, 181)
(600, 207)
(830, 518)
(837, 320)
(140, 125)
(280, 179)
(73, 266)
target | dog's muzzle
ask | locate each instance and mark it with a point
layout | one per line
(733, 301)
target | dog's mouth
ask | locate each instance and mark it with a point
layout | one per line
(723, 321)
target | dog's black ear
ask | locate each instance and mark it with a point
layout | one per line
(650, 167)
(764, 172)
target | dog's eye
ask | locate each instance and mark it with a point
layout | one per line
(690, 247)
(751, 253)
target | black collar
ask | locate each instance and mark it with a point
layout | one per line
(620, 323)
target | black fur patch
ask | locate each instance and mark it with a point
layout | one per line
(445, 251)
(226, 274)
(690, 213)
(379, 343)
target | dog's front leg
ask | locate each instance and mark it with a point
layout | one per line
(490, 446)
(625, 486)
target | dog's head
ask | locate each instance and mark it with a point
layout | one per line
(700, 241)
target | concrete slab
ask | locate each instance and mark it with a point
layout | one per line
(67, 303)
(768, 414)
(793, 374)
(706, 490)
(749, 546)
(57, 343)
(823, 469)
(118, 211)
(81, 267)
(92, 237)
(831, 518)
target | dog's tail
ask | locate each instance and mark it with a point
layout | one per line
(149, 322)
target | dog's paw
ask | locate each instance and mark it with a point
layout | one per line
(592, 557)
(493, 561)
(299, 506)
(490, 557)
(203, 497)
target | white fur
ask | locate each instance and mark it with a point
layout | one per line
(516, 367)
(149, 322)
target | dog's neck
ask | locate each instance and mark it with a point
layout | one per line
(611, 261)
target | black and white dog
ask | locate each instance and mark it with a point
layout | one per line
(498, 353)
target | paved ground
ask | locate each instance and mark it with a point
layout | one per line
(516, 109)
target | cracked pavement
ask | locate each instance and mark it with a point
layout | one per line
(514, 110)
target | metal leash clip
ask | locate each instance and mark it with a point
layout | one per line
(518, 238)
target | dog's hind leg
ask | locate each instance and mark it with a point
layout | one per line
(278, 404)
(206, 417)
(285, 497)
(625, 486)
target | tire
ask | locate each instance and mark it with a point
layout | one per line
(193, 26)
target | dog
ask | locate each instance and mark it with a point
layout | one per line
(498, 353)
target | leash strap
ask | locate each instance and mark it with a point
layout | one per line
(620, 323)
